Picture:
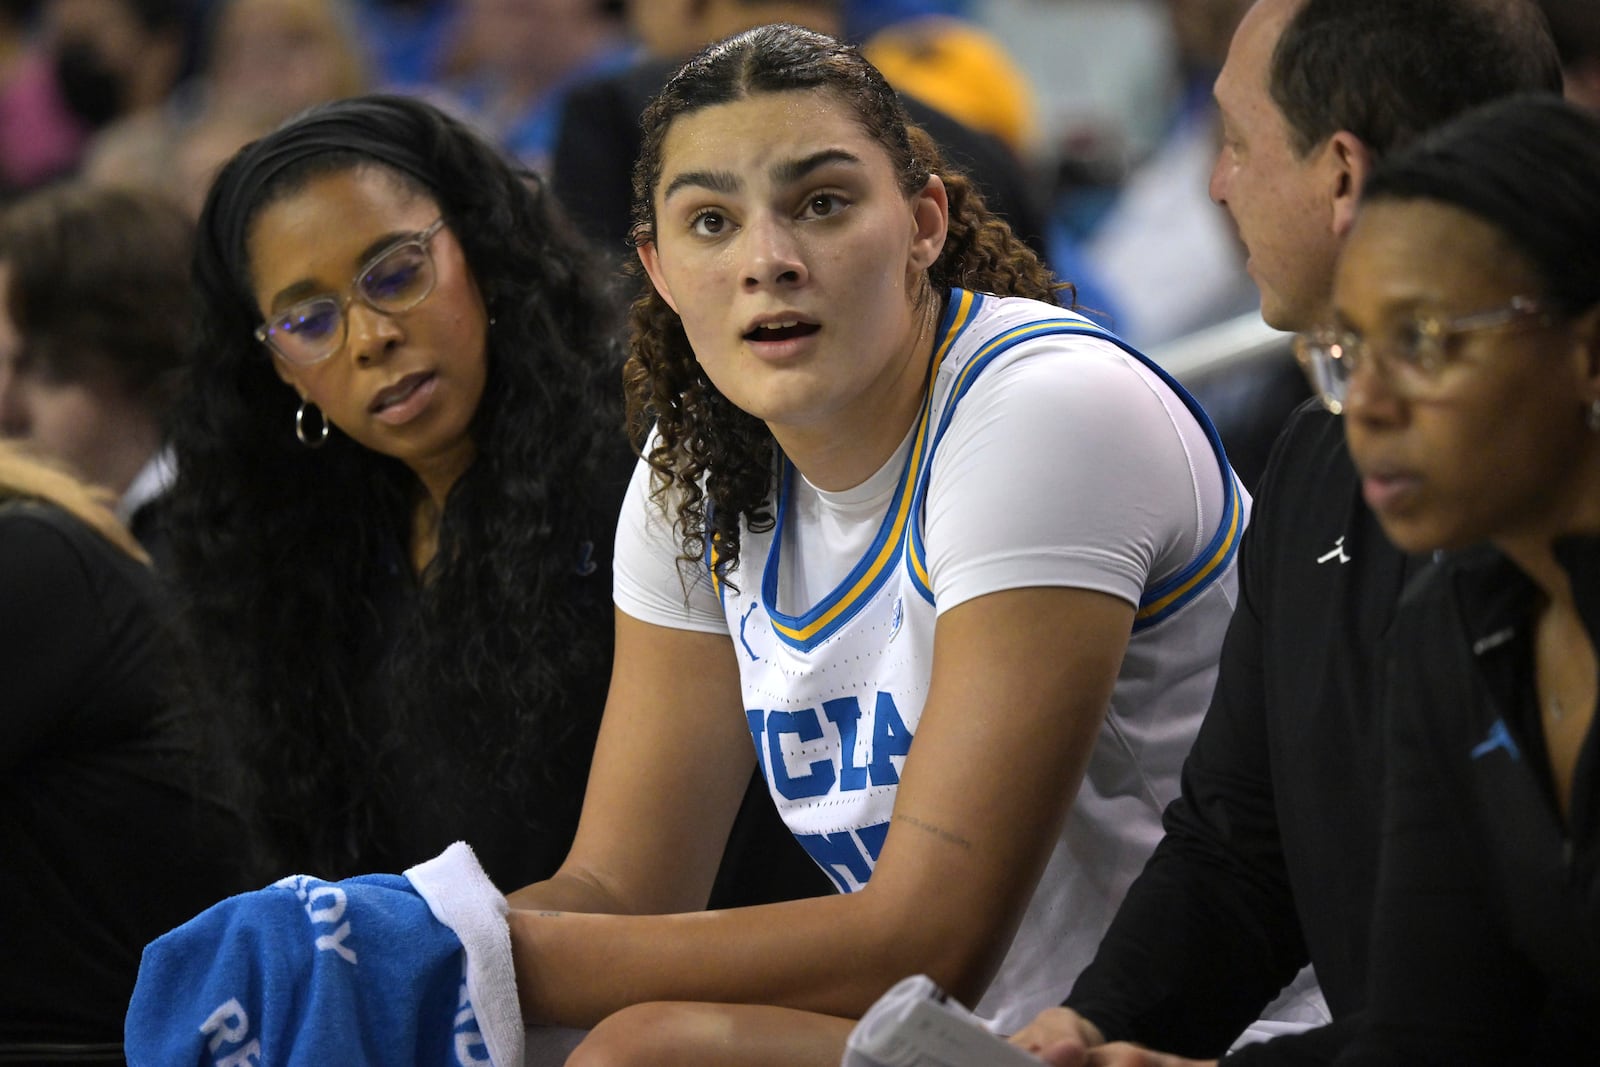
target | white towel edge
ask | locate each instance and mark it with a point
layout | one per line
(461, 896)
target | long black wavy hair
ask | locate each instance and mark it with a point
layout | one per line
(718, 462)
(281, 552)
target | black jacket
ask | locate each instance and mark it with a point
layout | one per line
(1486, 942)
(108, 832)
(1270, 856)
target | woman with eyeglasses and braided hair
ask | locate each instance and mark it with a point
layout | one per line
(1465, 358)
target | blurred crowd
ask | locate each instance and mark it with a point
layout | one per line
(156, 93)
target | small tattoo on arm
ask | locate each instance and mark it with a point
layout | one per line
(943, 835)
(551, 914)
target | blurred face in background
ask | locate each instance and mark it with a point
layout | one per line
(527, 41)
(108, 63)
(267, 61)
(89, 424)
(278, 57)
(666, 28)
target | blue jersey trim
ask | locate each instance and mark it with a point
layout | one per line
(900, 534)
(808, 630)
(1171, 594)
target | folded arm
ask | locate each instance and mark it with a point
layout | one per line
(1019, 686)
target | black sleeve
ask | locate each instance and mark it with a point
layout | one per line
(1208, 934)
(51, 634)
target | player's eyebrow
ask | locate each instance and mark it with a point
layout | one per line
(718, 181)
(783, 173)
(793, 170)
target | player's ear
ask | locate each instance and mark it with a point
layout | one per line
(650, 259)
(930, 214)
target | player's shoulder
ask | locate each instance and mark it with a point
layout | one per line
(987, 310)
(980, 328)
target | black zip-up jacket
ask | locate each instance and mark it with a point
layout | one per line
(1271, 851)
(109, 830)
(1486, 941)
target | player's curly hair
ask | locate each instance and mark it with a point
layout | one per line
(283, 554)
(718, 462)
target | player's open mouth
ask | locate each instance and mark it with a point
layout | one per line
(786, 330)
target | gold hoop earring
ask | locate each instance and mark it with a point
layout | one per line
(300, 426)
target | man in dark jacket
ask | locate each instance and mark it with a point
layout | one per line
(1270, 857)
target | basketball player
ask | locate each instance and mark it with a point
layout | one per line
(952, 558)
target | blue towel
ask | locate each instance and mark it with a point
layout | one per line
(382, 969)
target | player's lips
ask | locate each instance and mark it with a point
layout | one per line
(782, 326)
(405, 399)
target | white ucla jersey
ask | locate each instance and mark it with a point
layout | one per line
(833, 695)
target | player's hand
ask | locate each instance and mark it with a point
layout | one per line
(1060, 1037)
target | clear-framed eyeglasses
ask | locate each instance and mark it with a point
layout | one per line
(1414, 359)
(396, 279)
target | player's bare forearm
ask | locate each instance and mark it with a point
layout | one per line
(833, 955)
(1019, 686)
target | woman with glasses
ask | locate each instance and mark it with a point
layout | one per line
(1466, 360)
(400, 464)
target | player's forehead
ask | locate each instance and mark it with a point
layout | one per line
(778, 137)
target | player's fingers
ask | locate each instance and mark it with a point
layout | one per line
(1068, 1053)
(1121, 1054)
(1051, 1026)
